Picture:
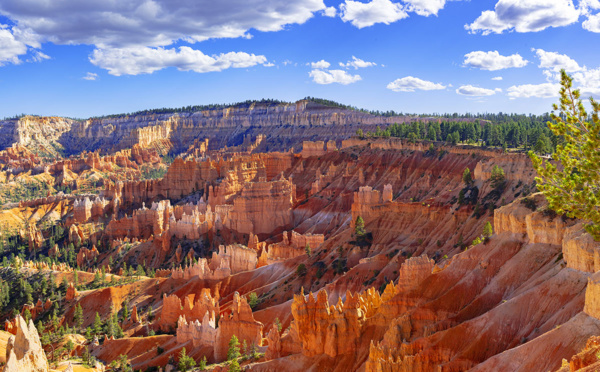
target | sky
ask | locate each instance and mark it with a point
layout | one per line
(79, 59)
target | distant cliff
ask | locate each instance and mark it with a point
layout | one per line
(285, 125)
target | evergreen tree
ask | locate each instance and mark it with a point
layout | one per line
(97, 324)
(27, 315)
(234, 348)
(252, 300)
(307, 249)
(185, 361)
(467, 179)
(487, 230)
(202, 364)
(573, 189)
(78, 316)
(234, 366)
(359, 227)
(125, 311)
(497, 176)
(140, 271)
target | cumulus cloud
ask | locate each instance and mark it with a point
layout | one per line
(90, 76)
(588, 81)
(592, 23)
(425, 7)
(555, 61)
(470, 90)
(357, 63)
(330, 11)
(10, 48)
(410, 84)
(367, 14)
(545, 90)
(126, 23)
(143, 60)
(525, 16)
(362, 14)
(497, 78)
(320, 64)
(493, 61)
(333, 76)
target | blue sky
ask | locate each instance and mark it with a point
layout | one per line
(84, 58)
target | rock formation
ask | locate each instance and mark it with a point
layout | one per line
(240, 323)
(274, 343)
(71, 292)
(202, 334)
(172, 308)
(24, 350)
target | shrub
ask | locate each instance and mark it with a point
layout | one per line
(301, 270)
(529, 203)
(497, 177)
(253, 300)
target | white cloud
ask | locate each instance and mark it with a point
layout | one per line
(141, 60)
(410, 84)
(586, 5)
(588, 81)
(127, 23)
(592, 23)
(555, 61)
(367, 14)
(357, 63)
(362, 14)
(545, 90)
(497, 78)
(90, 76)
(525, 16)
(330, 11)
(493, 61)
(320, 64)
(469, 90)
(268, 64)
(10, 48)
(333, 76)
(37, 56)
(425, 7)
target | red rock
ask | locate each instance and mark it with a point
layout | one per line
(240, 323)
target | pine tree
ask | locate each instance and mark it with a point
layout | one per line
(234, 349)
(97, 324)
(253, 300)
(487, 230)
(234, 366)
(307, 249)
(359, 227)
(202, 364)
(573, 188)
(497, 177)
(140, 271)
(185, 361)
(125, 311)
(27, 315)
(245, 351)
(78, 316)
(467, 179)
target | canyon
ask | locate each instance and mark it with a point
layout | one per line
(316, 248)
